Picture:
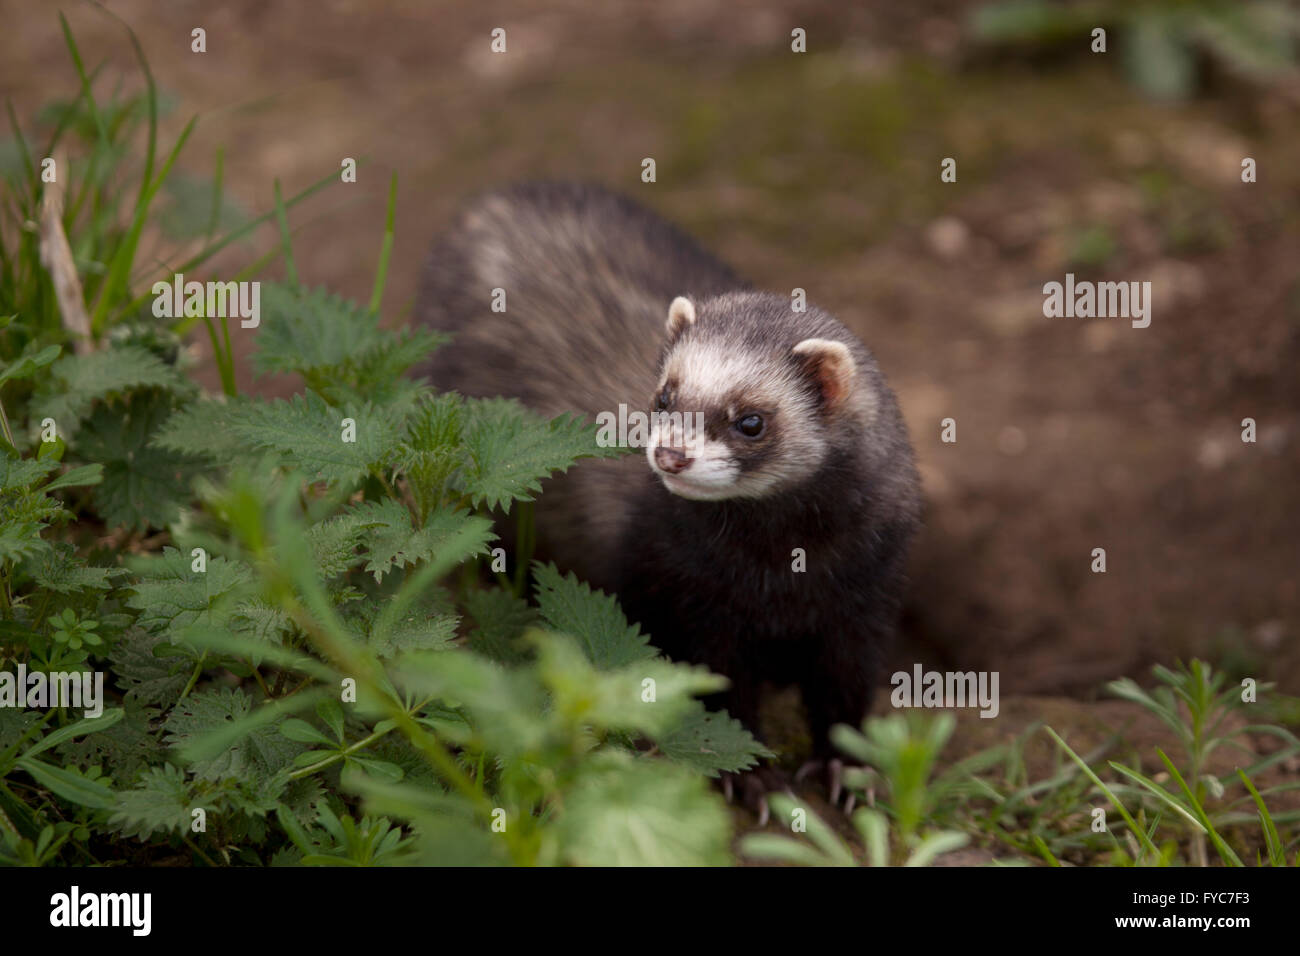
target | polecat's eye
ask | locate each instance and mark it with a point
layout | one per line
(751, 426)
(661, 400)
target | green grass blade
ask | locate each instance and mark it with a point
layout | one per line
(1132, 825)
(1159, 792)
(282, 219)
(1276, 853)
(385, 250)
(1225, 851)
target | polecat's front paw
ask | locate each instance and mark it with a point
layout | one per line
(753, 786)
(834, 772)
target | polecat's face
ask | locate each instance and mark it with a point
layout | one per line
(731, 421)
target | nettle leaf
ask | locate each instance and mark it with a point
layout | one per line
(25, 512)
(160, 803)
(396, 352)
(500, 619)
(333, 342)
(427, 624)
(170, 595)
(334, 542)
(422, 628)
(260, 753)
(309, 434)
(711, 741)
(593, 617)
(432, 451)
(16, 474)
(59, 569)
(391, 539)
(76, 381)
(256, 796)
(624, 811)
(143, 486)
(146, 677)
(202, 429)
(264, 621)
(305, 330)
(511, 449)
(123, 750)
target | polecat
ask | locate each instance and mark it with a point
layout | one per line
(771, 546)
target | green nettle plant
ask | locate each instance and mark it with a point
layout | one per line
(312, 652)
(311, 667)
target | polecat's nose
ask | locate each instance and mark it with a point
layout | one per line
(672, 460)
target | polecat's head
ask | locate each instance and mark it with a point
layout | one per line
(752, 396)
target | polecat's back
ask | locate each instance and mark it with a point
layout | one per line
(587, 277)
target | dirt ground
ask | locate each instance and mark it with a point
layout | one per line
(822, 171)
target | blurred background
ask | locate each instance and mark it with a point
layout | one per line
(822, 170)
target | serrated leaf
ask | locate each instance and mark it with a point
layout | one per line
(19, 473)
(258, 749)
(417, 630)
(25, 510)
(77, 381)
(264, 621)
(334, 542)
(159, 804)
(711, 741)
(432, 451)
(142, 486)
(338, 346)
(500, 619)
(59, 570)
(305, 330)
(391, 540)
(511, 449)
(202, 429)
(309, 435)
(593, 617)
(124, 749)
(146, 678)
(170, 595)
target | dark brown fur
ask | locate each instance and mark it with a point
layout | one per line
(588, 278)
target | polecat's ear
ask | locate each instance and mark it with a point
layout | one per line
(681, 313)
(831, 366)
